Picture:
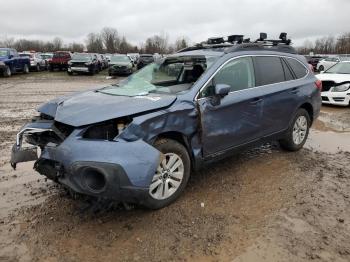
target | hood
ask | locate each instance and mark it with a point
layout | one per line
(92, 107)
(337, 78)
(119, 63)
(80, 60)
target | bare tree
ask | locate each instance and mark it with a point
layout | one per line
(94, 43)
(180, 43)
(110, 39)
(57, 43)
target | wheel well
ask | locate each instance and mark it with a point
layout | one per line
(177, 136)
(308, 107)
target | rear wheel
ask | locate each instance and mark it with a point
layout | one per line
(26, 69)
(297, 132)
(171, 176)
(7, 71)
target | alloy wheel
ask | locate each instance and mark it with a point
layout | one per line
(168, 177)
(299, 130)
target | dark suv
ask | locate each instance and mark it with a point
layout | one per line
(83, 63)
(144, 60)
(138, 140)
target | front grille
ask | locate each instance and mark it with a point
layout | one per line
(120, 67)
(78, 64)
(339, 99)
(327, 85)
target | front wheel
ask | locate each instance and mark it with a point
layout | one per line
(321, 68)
(298, 131)
(7, 71)
(171, 176)
(26, 69)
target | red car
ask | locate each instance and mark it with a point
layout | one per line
(60, 60)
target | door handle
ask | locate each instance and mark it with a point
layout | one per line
(294, 90)
(256, 100)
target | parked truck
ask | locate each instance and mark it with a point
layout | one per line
(11, 62)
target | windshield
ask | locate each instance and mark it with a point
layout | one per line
(340, 68)
(3, 52)
(25, 55)
(120, 59)
(170, 76)
(81, 57)
(46, 56)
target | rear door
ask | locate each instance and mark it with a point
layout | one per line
(235, 119)
(279, 92)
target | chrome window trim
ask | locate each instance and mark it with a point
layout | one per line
(237, 57)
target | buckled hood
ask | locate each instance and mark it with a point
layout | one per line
(93, 107)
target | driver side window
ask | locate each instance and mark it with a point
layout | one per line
(238, 74)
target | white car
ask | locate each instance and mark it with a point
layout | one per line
(37, 63)
(336, 84)
(327, 63)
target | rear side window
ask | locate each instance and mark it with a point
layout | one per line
(269, 70)
(287, 73)
(298, 68)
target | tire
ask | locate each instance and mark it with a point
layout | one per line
(51, 68)
(176, 155)
(26, 69)
(321, 68)
(297, 132)
(70, 73)
(37, 68)
(7, 71)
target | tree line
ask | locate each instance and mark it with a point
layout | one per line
(108, 40)
(327, 45)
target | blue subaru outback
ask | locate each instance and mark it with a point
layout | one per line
(137, 141)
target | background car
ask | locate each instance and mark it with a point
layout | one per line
(336, 84)
(120, 65)
(11, 62)
(47, 57)
(313, 60)
(60, 60)
(144, 60)
(37, 63)
(326, 63)
(83, 63)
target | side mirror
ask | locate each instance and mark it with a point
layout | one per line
(222, 89)
(10, 56)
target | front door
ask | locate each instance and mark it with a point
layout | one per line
(234, 119)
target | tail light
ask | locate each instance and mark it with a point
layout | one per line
(318, 84)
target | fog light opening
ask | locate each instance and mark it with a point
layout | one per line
(94, 180)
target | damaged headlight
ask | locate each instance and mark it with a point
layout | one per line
(341, 88)
(107, 130)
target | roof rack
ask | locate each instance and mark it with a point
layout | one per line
(235, 43)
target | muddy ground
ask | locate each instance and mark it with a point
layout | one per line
(261, 205)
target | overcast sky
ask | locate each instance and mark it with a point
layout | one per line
(72, 20)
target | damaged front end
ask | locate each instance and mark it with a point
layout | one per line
(91, 160)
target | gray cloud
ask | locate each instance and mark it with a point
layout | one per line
(195, 19)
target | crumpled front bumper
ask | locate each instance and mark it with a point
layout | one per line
(126, 168)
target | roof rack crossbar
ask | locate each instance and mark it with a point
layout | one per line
(238, 42)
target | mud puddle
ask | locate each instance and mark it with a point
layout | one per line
(328, 139)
